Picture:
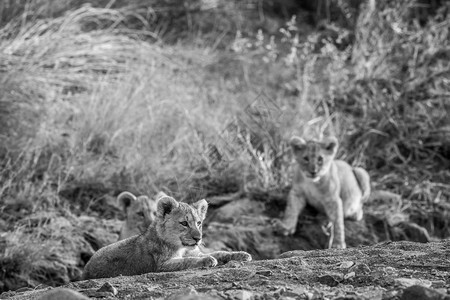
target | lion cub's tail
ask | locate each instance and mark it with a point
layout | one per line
(384, 196)
(363, 179)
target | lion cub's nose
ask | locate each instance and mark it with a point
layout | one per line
(196, 239)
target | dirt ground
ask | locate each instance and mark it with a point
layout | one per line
(391, 270)
(244, 224)
(247, 225)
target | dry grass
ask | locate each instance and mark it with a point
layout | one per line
(90, 108)
(400, 95)
(96, 108)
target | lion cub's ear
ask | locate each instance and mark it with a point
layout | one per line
(201, 206)
(165, 205)
(330, 144)
(297, 143)
(125, 199)
(160, 195)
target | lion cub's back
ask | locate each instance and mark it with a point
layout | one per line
(125, 257)
(354, 184)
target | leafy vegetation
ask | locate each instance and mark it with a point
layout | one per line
(200, 100)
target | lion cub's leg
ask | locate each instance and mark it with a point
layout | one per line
(296, 202)
(224, 256)
(335, 213)
(183, 263)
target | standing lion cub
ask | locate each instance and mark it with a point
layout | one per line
(163, 246)
(330, 185)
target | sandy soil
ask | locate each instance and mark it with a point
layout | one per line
(391, 270)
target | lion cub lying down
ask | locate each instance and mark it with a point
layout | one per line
(163, 246)
(330, 185)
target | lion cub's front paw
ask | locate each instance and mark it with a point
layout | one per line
(281, 229)
(338, 245)
(209, 261)
(241, 256)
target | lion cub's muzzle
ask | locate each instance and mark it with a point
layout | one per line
(312, 174)
(194, 240)
(192, 243)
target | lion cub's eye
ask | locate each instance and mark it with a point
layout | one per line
(199, 223)
(184, 223)
(320, 160)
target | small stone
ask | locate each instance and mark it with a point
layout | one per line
(292, 254)
(349, 275)
(328, 280)
(294, 295)
(419, 292)
(188, 293)
(280, 291)
(309, 295)
(316, 295)
(264, 273)
(389, 271)
(438, 284)
(360, 269)
(371, 295)
(107, 288)
(407, 282)
(240, 294)
(293, 276)
(152, 288)
(62, 293)
(346, 265)
(391, 294)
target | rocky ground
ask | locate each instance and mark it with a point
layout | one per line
(246, 224)
(391, 270)
(233, 223)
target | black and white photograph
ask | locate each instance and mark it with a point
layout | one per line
(225, 149)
